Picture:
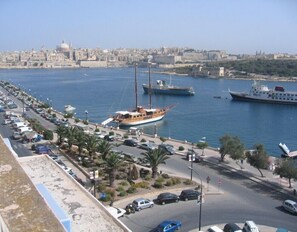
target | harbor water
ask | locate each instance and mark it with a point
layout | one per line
(210, 113)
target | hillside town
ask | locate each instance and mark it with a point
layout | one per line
(67, 56)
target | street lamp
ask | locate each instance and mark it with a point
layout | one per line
(86, 112)
(200, 209)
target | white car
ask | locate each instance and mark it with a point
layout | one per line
(116, 212)
(7, 121)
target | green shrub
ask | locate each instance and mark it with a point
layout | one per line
(163, 139)
(142, 184)
(77, 120)
(148, 178)
(188, 182)
(160, 179)
(120, 189)
(101, 187)
(169, 183)
(175, 180)
(97, 130)
(181, 148)
(48, 135)
(111, 133)
(132, 189)
(122, 194)
(124, 183)
(126, 136)
(143, 140)
(165, 176)
(158, 185)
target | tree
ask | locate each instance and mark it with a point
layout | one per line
(258, 158)
(104, 148)
(287, 168)
(232, 146)
(91, 145)
(80, 138)
(202, 146)
(71, 134)
(155, 158)
(113, 161)
(61, 132)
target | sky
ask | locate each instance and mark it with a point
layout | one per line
(236, 26)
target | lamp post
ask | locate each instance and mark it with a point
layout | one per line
(86, 112)
(200, 209)
(191, 158)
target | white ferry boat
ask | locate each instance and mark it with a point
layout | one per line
(261, 93)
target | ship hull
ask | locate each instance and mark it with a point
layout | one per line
(143, 121)
(237, 96)
(169, 91)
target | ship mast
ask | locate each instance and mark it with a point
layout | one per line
(150, 87)
(135, 67)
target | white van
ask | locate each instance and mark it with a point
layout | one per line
(24, 129)
(116, 212)
(18, 125)
(214, 229)
(250, 226)
(290, 206)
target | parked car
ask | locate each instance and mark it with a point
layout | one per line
(250, 226)
(214, 229)
(168, 226)
(130, 143)
(232, 227)
(53, 156)
(116, 212)
(42, 149)
(142, 203)
(189, 194)
(109, 138)
(290, 206)
(195, 155)
(167, 148)
(148, 146)
(165, 198)
(6, 121)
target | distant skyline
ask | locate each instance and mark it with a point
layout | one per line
(236, 26)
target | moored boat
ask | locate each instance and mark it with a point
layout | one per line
(261, 93)
(161, 87)
(140, 115)
(69, 109)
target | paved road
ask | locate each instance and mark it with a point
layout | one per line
(242, 200)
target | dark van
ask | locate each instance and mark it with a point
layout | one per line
(189, 194)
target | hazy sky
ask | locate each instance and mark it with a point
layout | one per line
(237, 26)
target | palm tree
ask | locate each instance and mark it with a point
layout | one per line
(104, 148)
(155, 158)
(61, 132)
(113, 161)
(91, 145)
(80, 138)
(71, 134)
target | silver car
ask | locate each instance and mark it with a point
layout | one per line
(142, 203)
(290, 206)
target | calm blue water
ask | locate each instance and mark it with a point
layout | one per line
(103, 91)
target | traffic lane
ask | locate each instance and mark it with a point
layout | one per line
(254, 196)
(185, 211)
(6, 132)
(217, 209)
